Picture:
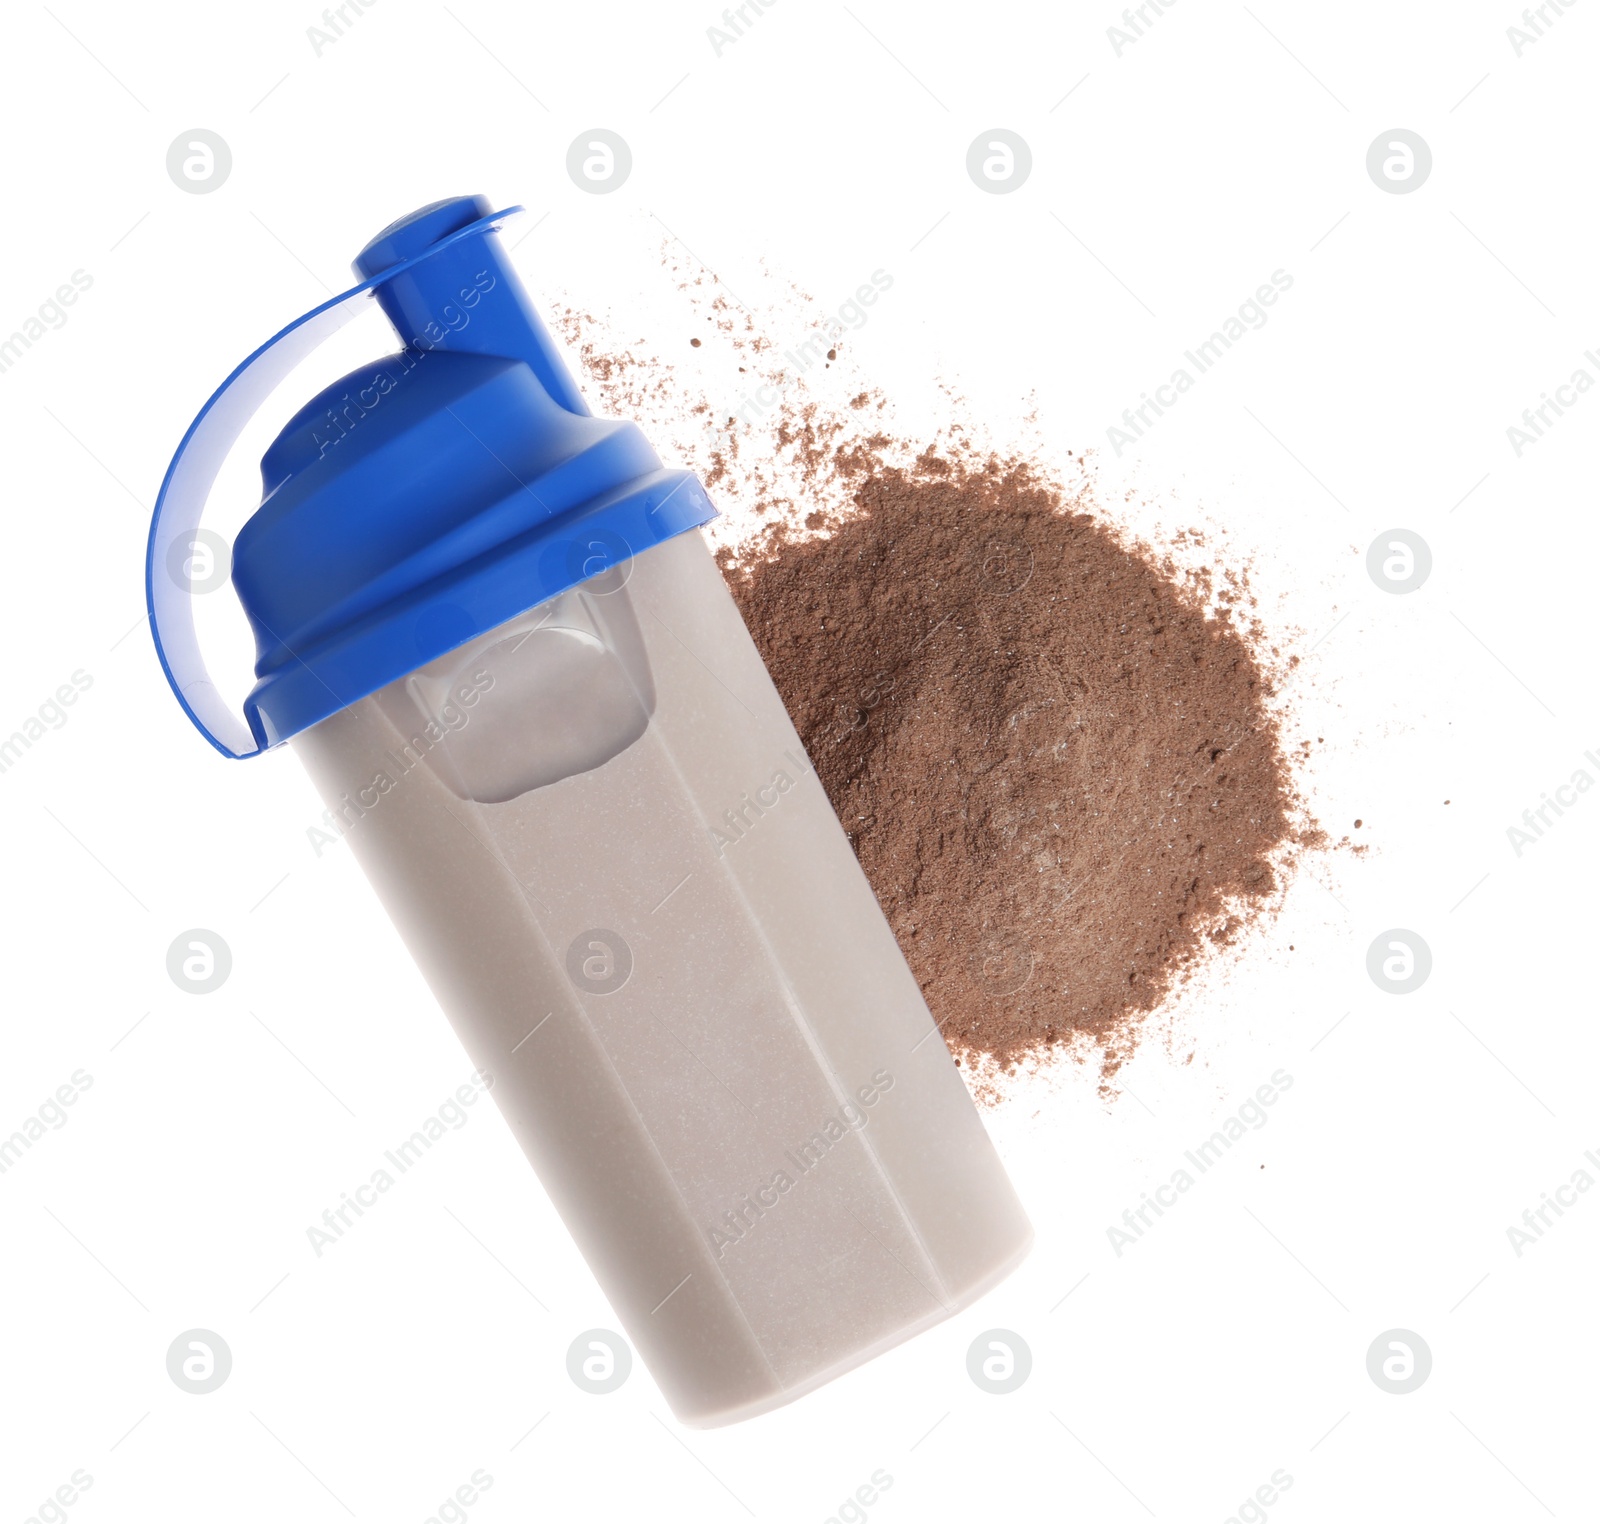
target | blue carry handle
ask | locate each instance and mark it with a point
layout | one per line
(184, 493)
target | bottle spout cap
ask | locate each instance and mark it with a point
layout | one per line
(428, 273)
(577, 493)
(417, 232)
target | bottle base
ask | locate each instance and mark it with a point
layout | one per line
(722, 1418)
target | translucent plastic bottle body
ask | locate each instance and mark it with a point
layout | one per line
(599, 835)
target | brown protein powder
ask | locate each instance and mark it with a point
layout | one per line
(1055, 750)
(1058, 772)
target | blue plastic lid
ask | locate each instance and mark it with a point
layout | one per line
(417, 503)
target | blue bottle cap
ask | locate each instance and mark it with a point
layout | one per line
(417, 503)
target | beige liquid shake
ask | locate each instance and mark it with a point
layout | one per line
(599, 835)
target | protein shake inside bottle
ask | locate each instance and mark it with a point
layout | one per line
(487, 624)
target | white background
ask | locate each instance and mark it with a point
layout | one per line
(1230, 1342)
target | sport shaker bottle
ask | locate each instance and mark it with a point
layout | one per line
(486, 622)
